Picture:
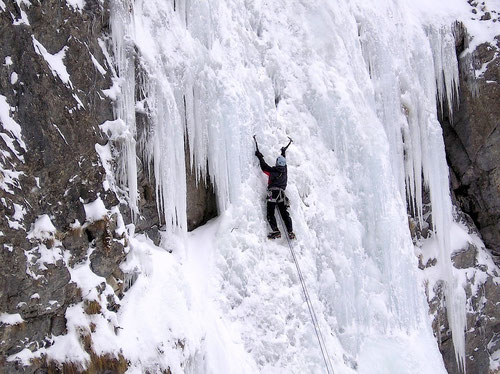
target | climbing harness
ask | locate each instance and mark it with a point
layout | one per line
(319, 335)
(274, 197)
(279, 197)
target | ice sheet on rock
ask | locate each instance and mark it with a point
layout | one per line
(421, 152)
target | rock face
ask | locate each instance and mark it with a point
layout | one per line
(53, 71)
(201, 199)
(472, 140)
(474, 264)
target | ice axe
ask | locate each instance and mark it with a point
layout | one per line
(288, 145)
(284, 148)
(256, 145)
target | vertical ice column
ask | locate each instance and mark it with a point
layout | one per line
(436, 174)
(123, 48)
(421, 153)
(435, 169)
(166, 151)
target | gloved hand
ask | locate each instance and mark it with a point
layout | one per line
(258, 154)
(283, 150)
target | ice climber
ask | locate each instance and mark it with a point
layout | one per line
(276, 193)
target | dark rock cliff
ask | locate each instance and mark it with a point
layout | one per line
(472, 139)
(482, 337)
(58, 169)
(472, 142)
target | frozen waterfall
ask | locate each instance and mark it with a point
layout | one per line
(356, 85)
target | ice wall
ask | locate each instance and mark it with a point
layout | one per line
(355, 84)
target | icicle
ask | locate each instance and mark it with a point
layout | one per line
(123, 48)
(442, 42)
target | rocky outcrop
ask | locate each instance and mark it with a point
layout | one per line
(479, 275)
(472, 139)
(201, 200)
(53, 71)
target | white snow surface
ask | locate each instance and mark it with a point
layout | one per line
(12, 130)
(95, 210)
(11, 319)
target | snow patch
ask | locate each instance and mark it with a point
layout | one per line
(116, 130)
(106, 158)
(13, 78)
(11, 319)
(76, 4)
(55, 61)
(19, 212)
(12, 127)
(60, 133)
(23, 19)
(95, 210)
(98, 66)
(42, 228)
(114, 91)
(10, 180)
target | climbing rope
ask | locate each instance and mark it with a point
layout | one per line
(319, 335)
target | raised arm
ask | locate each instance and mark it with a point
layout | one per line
(263, 165)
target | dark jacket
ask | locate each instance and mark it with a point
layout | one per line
(277, 174)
